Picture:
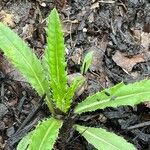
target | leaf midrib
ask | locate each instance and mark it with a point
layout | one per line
(57, 60)
(101, 139)
(45, 136)
(103, 101)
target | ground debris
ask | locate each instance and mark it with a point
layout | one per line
(7, 18)
(3, 110)
(127, 63)
(117, 31)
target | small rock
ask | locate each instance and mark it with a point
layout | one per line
(43, 4)
(84, 29)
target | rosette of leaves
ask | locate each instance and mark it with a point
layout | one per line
(48, 76)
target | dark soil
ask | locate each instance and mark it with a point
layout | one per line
(112, 29)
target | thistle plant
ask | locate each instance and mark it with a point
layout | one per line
(48, 76)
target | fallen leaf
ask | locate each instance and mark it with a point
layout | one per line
(76, 56)
(127, 63)
(136, 34)
(144, 39)
(91, 17)
(28, 30)
(69, 26)
(6, 18)
(98, 54)
(3, 110)
(95, 5)
(13, 73)
(145, 42)
(7, 68)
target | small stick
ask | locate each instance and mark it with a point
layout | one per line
(139, 125)
(107, 2)
(84, 69)
(77, 136)
(31, 115)
(20, 134)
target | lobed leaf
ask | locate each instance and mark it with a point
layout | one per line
(104, 140)
(45, 135)
(55, 57)
(120, 94)
(87, 62)
(23, 59)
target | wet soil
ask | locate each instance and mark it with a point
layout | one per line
(119, 34)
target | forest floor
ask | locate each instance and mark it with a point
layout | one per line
(118, 31)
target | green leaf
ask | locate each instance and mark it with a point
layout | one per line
(23, 59)
(25, 141)
(87, 62)
(77, 82)
(45, 135)
(55, 57)
(45, 65)
(104, 140)
(120, 94)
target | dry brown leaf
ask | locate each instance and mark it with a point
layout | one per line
(97, 60)
(145, 42)
(6, 18)
(99, 50)
(136, 34)
(95, 5)
(69, 26)
(77, 55)
(127, 63)
(28, 30)
(91, 17)
(8, 69)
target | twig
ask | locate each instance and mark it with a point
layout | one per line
(20, 134)
(107, 2)
(77, 136)
(31, 115)
(139, 125)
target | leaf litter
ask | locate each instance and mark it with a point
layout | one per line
(109, 32)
